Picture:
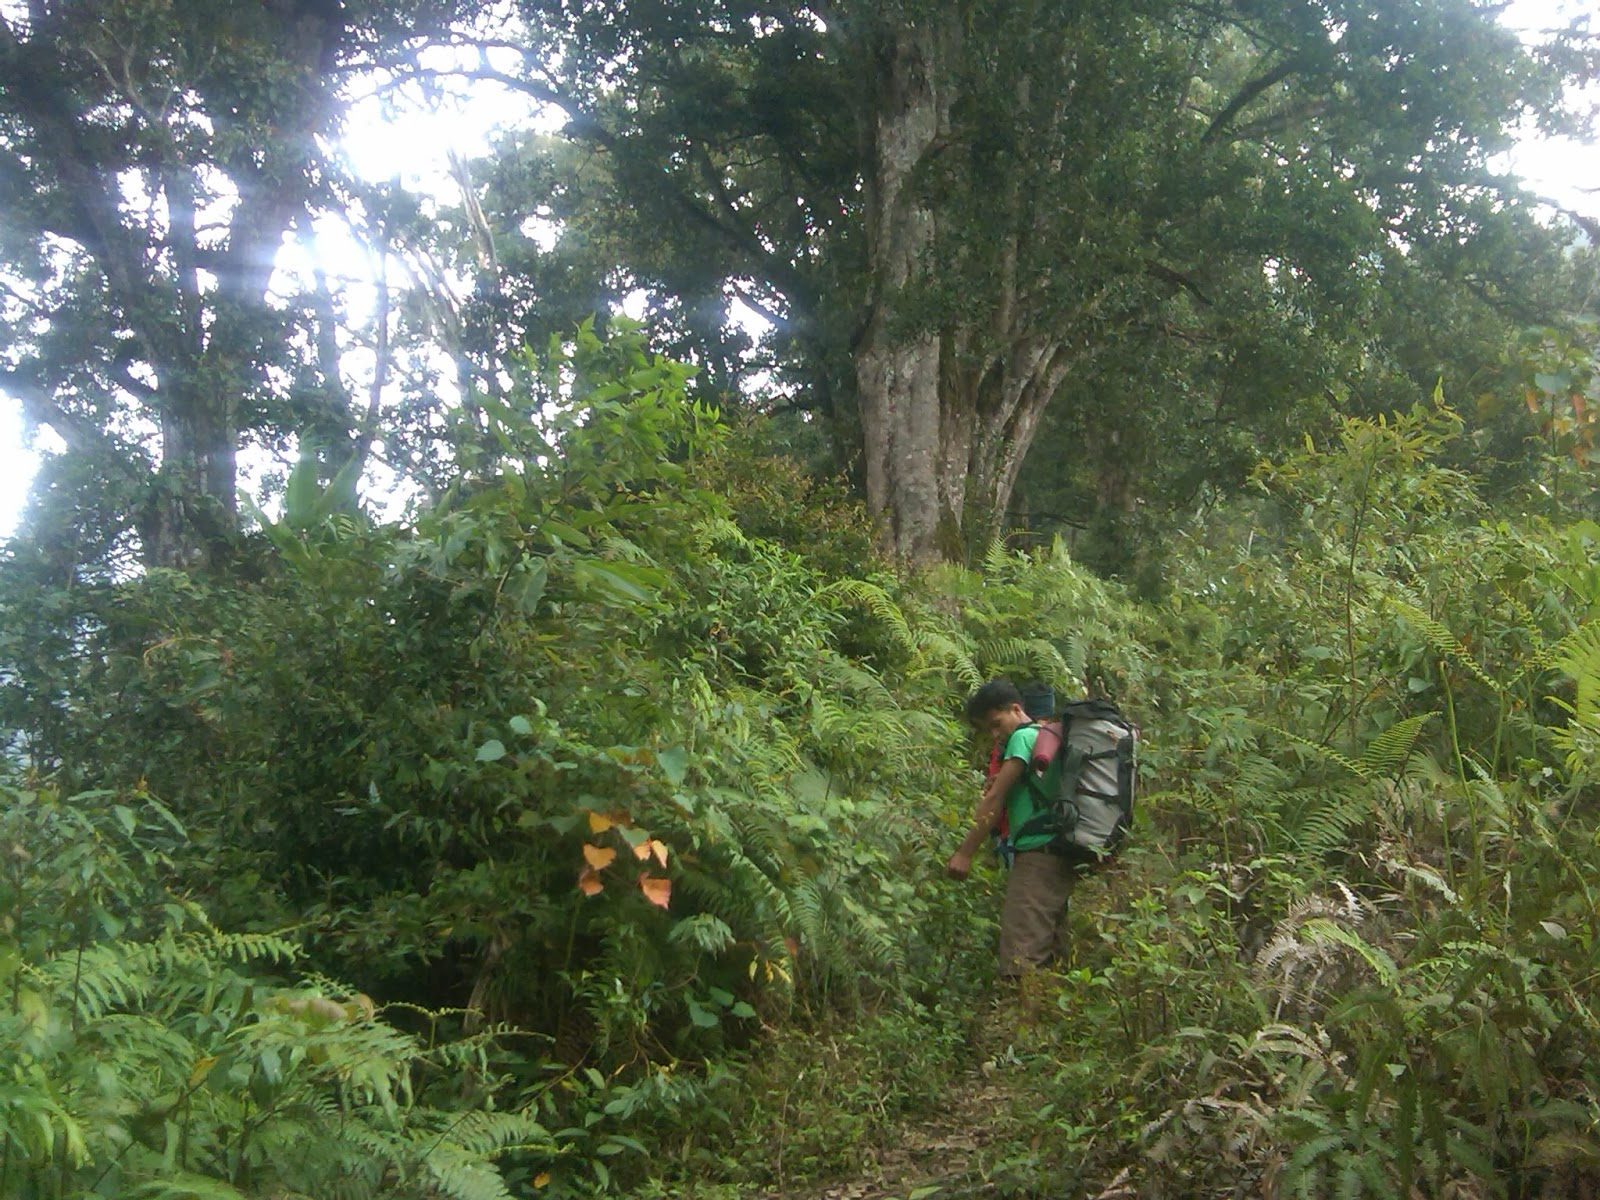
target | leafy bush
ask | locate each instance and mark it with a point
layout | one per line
(1350, 957)
(143, 1059)
(626, 741)
(570, 749)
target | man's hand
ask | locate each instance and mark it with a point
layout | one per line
(959, 866)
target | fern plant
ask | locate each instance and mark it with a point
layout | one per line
(143, 1059)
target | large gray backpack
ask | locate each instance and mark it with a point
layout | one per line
(1085, 765)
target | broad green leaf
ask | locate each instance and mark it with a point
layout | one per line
(622, 581)
(563, 532)
(701, 1015)
(300, 494)
(674, 764)
(525, 585)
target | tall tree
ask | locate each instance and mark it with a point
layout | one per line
(154, 155)
(956, 211)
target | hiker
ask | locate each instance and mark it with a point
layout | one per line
(1039, 702)
(1039, 881)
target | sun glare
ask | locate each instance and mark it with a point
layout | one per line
(407, 133)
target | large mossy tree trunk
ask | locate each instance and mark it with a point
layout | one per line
(950, 395)
(906, 437)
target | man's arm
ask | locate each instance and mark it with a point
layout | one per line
(994, 793)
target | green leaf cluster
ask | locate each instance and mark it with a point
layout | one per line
(148, 1053)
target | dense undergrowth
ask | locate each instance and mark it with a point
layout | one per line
(581, 833)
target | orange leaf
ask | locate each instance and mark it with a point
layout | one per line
(542, 1179)
(642, 850)
(588, 882)
(659, 849)
(598, 857)
(657, 891)
(599, 822)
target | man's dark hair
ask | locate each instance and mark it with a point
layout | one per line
(991, 698)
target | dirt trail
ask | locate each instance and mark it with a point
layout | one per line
(950, 1153)
(938, 1151)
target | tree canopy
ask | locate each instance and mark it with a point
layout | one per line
(154, 157)
(960, 218)
(1168, 235)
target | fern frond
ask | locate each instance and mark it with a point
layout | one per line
(1326, 827)
(1327, 753)
(996, 558)
(1386, 752)
(1322, 930)
(459, 1178)
(842, 675)
(486, 1133)
(1443, 642)
(1306, 949)
(1576, 641)
(1278, 1038)
(1423, 874)
(252, 947)
(1074, 653)
(876, 601)
(870, 930)
(181, 1185)
(936, 648)
(808, 911)
(1577, 656)
(1025, 656)
(102, 977)
(711, 532)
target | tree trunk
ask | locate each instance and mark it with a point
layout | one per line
(897, 363)
(173, 312)
(193, 501)
(212, 362)
(947, 415)
(1006, 395)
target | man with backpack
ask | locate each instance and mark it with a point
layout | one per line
(1063, 795)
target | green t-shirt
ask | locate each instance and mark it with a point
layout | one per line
(1020, 800)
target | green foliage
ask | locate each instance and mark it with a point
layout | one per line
(1356, 962)
(1122, 253)
(140, 330)
(569, 749)
(145, 1056)
(578, 751)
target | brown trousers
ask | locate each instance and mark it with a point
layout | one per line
(1033, 921)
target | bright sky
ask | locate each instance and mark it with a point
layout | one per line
(417, 148)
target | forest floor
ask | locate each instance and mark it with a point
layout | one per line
(965, 1146)
(937, 1156)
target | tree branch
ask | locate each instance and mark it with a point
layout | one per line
(1247, 94)
(583, 126)
(37, 94)
(81, 434)
(380, 368)
(1165, 273)
(122, 375)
